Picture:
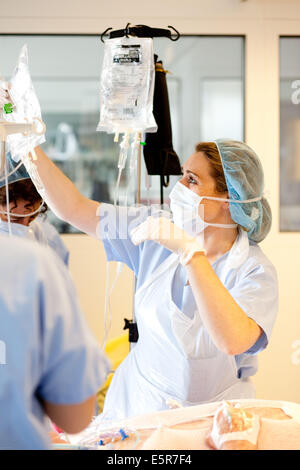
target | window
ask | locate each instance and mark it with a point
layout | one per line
(289, 134)
(206, 94)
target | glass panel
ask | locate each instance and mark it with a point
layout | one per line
(206, 93)
(289, 134)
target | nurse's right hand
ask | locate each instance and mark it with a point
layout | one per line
(163, 231)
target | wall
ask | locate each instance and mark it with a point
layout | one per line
(262, 21)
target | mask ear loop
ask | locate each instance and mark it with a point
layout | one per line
(245, 201)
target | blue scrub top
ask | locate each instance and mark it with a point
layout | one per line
(253, 285)
(43, 232)
(47, 351)
(53, 238)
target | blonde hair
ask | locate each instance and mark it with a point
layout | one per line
(211, 152)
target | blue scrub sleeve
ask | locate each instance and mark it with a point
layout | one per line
(257, 294)
(73, 365)
(115, 226)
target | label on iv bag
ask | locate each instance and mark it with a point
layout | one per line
(127, 54)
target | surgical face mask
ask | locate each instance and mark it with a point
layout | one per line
(184, 205)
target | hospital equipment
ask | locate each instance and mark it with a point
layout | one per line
(126, 106)
(127, 83)
(26, 110)
(188, 427)
(21, 129)
(126, 100)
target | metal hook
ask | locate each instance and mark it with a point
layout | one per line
(126, 30)
(103, 34)
(178, 34)
(166, 180)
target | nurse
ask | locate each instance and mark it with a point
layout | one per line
(206, 296)
(50, 363)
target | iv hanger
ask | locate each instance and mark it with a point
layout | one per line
(142, 31)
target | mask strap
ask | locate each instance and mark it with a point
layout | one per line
(245, 201)
(222, 225)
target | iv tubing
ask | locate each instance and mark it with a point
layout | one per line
(7, 196)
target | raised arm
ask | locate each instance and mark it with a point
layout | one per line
(63, 197)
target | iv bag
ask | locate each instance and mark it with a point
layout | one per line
(127, 86)
(26, 108)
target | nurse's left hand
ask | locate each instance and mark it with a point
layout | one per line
(161, 230)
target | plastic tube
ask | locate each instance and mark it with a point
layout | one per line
(108, 294)
(7, 198)
(134, 154)
(124, 146)
(148, 183)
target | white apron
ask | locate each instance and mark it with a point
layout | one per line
(174, 357)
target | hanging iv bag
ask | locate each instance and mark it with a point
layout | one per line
(127, 86)
(26, 109)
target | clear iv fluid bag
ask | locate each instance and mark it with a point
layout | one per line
(127, 86)
(26, 109)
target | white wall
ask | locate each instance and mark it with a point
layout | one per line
(262, 21)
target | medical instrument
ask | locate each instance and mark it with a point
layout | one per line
(133, 162)
(126, 87)
(126, 92)
(21, 128)
(126, 96)
(109, 437)
(126, 102)
(26, 109)
(107, 306)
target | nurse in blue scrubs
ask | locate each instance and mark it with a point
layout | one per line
(50, 363)
(206, 294)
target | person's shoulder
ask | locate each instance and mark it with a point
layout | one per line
(22, 253)
(47, 227)
(257, 261)
(18, 247)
